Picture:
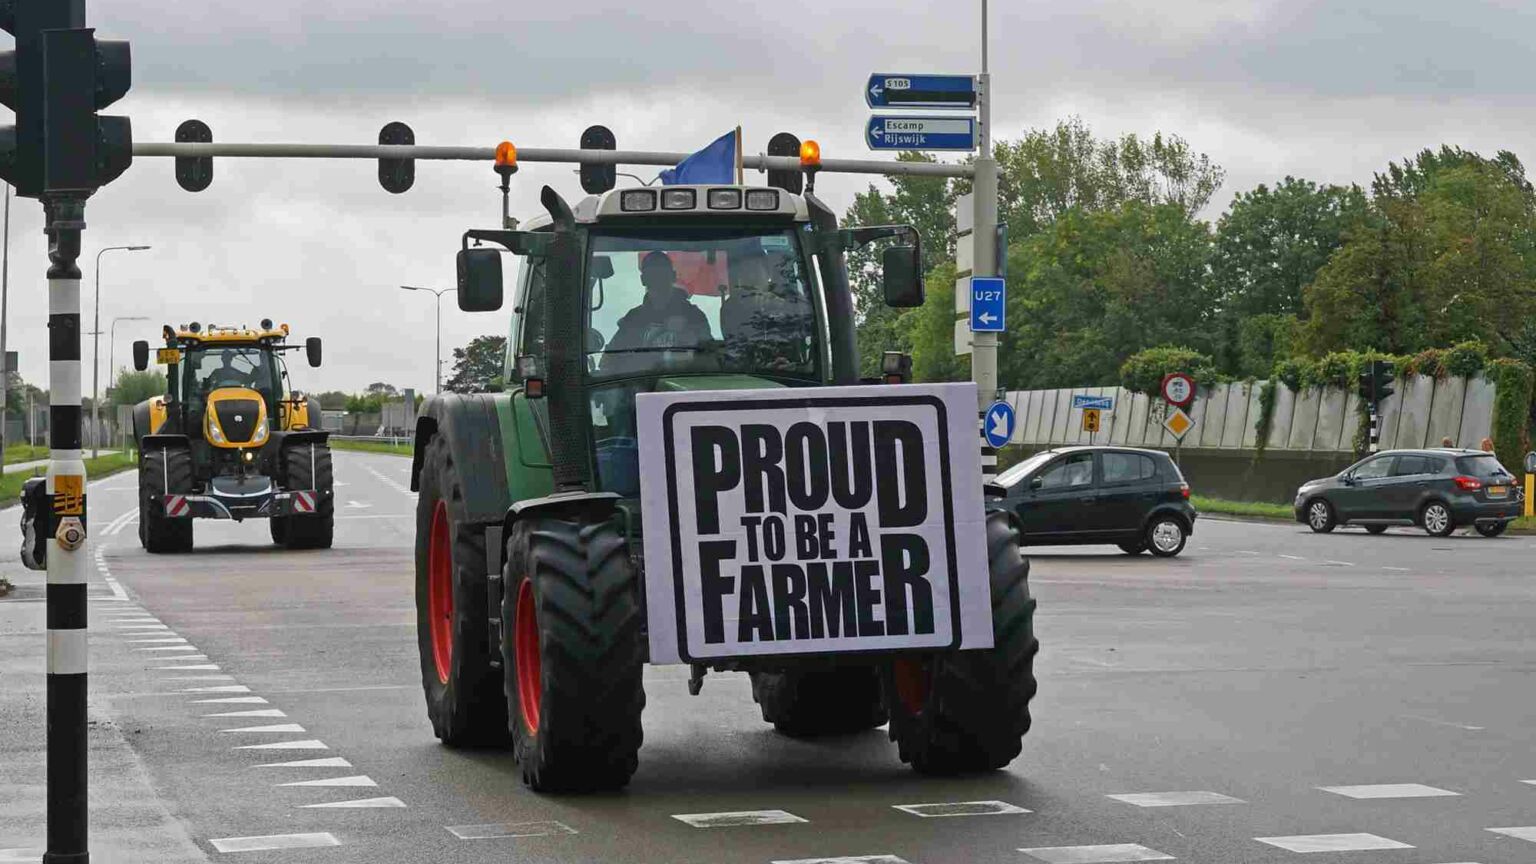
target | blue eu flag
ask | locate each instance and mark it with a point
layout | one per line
(714, 164)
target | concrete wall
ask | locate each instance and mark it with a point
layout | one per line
(1312, 432)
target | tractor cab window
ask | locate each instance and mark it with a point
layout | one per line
(212, 367)
(700, 300)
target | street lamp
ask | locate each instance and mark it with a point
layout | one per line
(96, 351)
(439, 357)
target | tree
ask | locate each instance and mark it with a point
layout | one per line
(478, 367)
(1271, 242)
(332, 400)
(134, 387)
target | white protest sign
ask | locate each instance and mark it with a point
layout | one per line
(840, 519)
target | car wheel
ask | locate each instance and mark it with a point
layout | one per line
(1436, 519)
(1376, 529)
(1491, 529)
(1166, 537)
(1136, 548)
(1320, 516)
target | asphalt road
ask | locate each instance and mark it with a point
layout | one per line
(1264, 669)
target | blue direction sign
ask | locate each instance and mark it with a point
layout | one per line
(997, 426)
(921, 133)
(989, 296)
(920, 91)
(1102, 403)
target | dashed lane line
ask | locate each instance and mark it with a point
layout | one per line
(960, 808)
(311, 744)
(232, 700)
(275, 728)
(499, 830)
(387, 802)
(1524, 833)
(1390, 790)
(1174, 799)
(269, 842)
(323, 762)
(258, 712)
(849, 859)
(1332, 843)
(1102, 854)
(738, 818)
(355, 781)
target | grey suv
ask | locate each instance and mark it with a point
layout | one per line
(1438, 490)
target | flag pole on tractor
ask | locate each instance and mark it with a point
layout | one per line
(738, 156)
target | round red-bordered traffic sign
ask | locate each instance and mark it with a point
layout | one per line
(1178, 389)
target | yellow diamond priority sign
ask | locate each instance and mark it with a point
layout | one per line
(1178, 423)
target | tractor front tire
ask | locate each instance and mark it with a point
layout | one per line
(308, 466)
(969, 710)
(463, 691)
(572, 656)
(163, 471)
(820, 700)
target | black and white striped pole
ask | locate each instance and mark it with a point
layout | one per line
(67, 552)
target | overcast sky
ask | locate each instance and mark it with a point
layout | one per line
(1326, 90)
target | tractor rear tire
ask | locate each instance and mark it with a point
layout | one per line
(573, 654)
(308, 466)
(163, 471)
(969, 710)
(823, 700)
(463, 691)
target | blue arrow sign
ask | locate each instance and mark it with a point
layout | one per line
(894, 90)
(989, 299)
(997, 426)
(921, 133)
(1103, 403)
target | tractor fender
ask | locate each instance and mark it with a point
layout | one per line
(472, 429)
(162, 442)
(592, 506)
(305, 436)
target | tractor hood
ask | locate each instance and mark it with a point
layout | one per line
(715, 382)
(236, 417)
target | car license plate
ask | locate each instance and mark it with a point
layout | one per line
(1498, 491)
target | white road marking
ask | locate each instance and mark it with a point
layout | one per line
(275, 727)
(1524, 833)
(187, 667)
(21, 856)
(357, 780)
(852, 859)
(325, 762)
(259, 712)
(498, 830)
(390, 482)
(1246, 552)
(1340, 563)
(198, 678)
(1435, 722)
(1096, 854)
(363, 803)
(1397, 569)
(1293, 557)
(960, 808)
(1332, 843)
(228, 688)
(144, 626)
(358, 505)
(1390, 790)
(169, 648)
(117, 590)
(195, 658)
(1175, 799)
(233, 700)
(170, 640)
(274, 841)
(287, 745)
(736, 818)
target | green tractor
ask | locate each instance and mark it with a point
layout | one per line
(537, 575)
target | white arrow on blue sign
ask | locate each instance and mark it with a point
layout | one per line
(921, 133)
(920, 91)
(989, 300)
(997, 426)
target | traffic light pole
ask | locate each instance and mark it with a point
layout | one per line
(984, 259)
(67, 552)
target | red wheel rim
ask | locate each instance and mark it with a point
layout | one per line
(530, 676)
(440, 591)
(912, 684)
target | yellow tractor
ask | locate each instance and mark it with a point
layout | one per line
(230, 439)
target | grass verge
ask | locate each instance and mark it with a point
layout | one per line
(401, 449)
(24, 453)
(1246, 509)
(95, 469)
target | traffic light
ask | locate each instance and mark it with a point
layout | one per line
(83, 151)
(1363, 385)
(1382, 376)
(21, 86)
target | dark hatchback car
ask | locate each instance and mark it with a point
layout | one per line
(1135, 499)
(1438, 490)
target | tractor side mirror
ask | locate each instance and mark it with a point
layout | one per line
(903, 277)
(480, 285)
(312, 351)
(140, 355)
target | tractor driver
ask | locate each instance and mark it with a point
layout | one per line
(227, 375)
(663, 319)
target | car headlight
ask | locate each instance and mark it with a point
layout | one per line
(215, 433)
(261, 431)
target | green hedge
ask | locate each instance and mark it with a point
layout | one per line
(1143, 372)
(1513, 383)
